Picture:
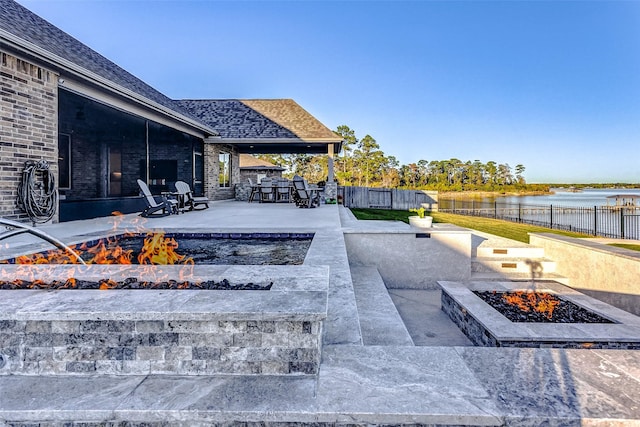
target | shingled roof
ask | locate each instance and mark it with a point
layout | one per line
(60, 47)
(260, 118)
(247, 161)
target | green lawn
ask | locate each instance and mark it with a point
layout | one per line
(507, 229)
(626, 246)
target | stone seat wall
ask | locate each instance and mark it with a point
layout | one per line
(174, 332)
(169, 346)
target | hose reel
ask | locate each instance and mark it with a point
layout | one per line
(37, 193)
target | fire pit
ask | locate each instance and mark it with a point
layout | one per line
(483, 314)
(177, 332)
(531, 306)
(163, 247)
(132, 283)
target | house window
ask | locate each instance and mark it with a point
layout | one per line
(115, 171)
(224, 175)
(198, 173)
(64, 161)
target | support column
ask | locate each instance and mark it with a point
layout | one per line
(331, 186)
(330, 178)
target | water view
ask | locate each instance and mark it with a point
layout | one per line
(589, 211)
(588, 197)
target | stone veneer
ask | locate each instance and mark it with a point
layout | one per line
(28, 118)
(173, 332)
(166, 346)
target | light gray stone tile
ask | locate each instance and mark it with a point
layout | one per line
(136, 367)
(146, 326)
(204, 340)
(177, 353)
(548, 384)
(65, 327)
(150, 353)
(412, 382)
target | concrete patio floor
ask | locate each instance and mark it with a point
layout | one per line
(391, 382)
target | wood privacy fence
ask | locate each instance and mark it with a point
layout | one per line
(387, 198)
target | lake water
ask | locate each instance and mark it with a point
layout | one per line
(562, 197)
(583, 211)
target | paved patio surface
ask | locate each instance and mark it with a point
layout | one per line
(361, 381)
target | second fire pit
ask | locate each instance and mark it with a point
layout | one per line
(487, 326)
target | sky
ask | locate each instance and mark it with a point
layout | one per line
(551, 85)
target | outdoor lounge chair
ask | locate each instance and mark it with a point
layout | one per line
(186, 197)
(303, 195)
(167, 206)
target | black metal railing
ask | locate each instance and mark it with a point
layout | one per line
(603, 221)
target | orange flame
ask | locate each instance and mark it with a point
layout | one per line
(160, 250)
(108, 284)
(539, 302)
(157, 249)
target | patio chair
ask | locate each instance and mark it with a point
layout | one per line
(153, 209)
(283, 190)
(186, 197)
(254, 190)
(304, 196)
(266, 190)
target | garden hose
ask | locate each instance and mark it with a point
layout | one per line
(37, 194)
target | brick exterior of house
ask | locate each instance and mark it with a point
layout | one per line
(212, 168)
(28, 126)
(57, 92)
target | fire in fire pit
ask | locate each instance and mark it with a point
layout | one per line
(531, 306)
(156, 249)
(132, 283)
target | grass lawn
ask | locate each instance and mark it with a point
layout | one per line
(507, 229)
(626, 246)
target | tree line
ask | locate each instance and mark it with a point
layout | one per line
(362, 163)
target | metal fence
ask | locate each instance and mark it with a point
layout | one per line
(387, 198)
(604, 221)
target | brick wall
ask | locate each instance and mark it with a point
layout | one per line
(211, 170)
(28, 125)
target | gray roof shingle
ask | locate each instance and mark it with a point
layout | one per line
(259, 118)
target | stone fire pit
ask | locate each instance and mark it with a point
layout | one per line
(183, 332)
(485, 326)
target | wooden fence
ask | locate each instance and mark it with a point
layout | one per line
(387, 198)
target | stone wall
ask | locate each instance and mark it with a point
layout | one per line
(410, 260)
(604, 272)
(172, 332)
(28, 120)
(253, 174)
(138, 347)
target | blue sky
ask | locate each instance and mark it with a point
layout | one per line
(552, 85)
